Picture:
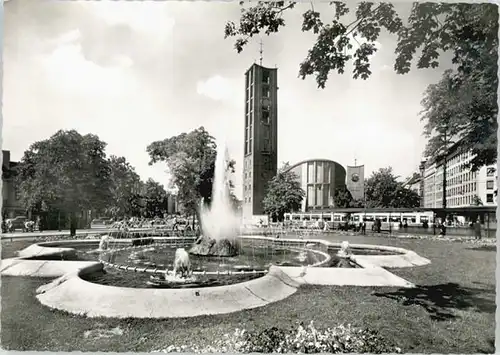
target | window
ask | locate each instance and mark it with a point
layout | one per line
(266, 92)
(266, 78)
(266, 145)
(310, 195)
(489, 198)
(326, 193)
(490, 172)
(310, 172)
(319, 196)
(319, 172)
(266, 115)
(489, 184)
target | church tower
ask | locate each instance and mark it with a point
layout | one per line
(261, 137)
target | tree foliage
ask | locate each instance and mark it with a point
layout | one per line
(462, 109)
(469, 31)
(126, 189)
(190, 158)
(343, 199)
(155, 199)
(476, 201)
(384, 191)
(284, 193)
(68, 172)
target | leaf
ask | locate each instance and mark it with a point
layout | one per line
(68, 172)
(283, 194)
(382, 190)
(190, 158)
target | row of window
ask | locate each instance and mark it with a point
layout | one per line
(467, 188)
(466, 200)
(461, 158)
(265, 92)
(266, 77)
(248, 146)
(318, 172)
(318, 195)
(265, 115)
(460, 189)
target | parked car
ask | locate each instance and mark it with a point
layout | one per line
(16, 223)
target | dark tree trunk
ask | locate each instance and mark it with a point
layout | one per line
(72, 224)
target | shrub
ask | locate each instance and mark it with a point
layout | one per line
(307, 340)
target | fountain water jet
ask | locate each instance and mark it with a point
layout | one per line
(219, 222)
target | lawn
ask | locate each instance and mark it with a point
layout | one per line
(451, 311)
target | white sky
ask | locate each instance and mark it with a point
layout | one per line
(136, 72)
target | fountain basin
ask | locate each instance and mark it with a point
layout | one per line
(72, 292)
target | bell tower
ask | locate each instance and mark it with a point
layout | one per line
(261, 137)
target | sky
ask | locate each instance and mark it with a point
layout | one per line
(137, 72)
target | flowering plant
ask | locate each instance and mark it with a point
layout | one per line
(303, 339)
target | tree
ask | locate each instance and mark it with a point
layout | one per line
(284, 194)
(467, 30)
(343, 199)
(476, 201)
(384, 191)
(67, 172)
(190, 158)
(126, 189)
(443, 125)
(155, 199)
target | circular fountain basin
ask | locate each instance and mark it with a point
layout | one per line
(144, 266)
(76, 292)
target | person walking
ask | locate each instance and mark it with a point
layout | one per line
(477, 229)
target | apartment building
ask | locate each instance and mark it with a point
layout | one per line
(463, 187)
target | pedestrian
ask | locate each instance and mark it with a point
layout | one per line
(477, 230)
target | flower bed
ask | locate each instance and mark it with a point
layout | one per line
(306, 340)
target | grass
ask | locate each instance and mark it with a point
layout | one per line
(451, 311)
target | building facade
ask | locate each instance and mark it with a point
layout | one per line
(11, 206)
(415, 184)
(261, 137)
(356, 181)
(319, 178)
(463, 187)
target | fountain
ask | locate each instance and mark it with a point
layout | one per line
(104, 243)
(344, 255)
(182, 263)
(219, 222)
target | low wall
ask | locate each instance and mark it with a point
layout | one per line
(75, 295)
